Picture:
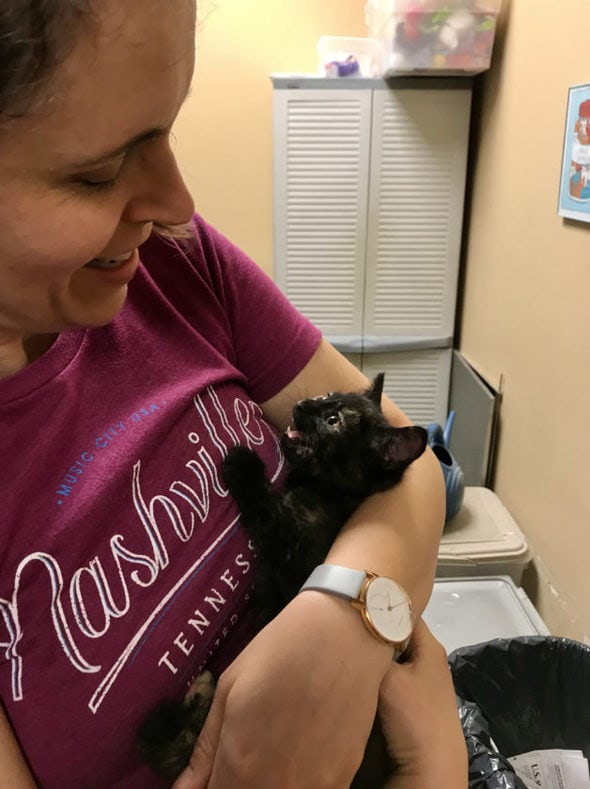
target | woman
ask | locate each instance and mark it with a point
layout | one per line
(122, 384)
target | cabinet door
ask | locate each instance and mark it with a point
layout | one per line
(321, 175)
(417, 182)
(417, 381)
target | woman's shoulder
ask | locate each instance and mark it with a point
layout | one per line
(200, 257)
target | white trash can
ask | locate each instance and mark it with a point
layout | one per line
(465, 611)
(482, 539)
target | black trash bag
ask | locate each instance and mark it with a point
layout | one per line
(517, 695)
(488, 769)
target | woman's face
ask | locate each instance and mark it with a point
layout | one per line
(83, 180)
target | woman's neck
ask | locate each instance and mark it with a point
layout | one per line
(16, 353)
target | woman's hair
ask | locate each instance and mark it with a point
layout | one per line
(35, 36)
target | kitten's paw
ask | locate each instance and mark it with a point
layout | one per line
(201, 692)
(242, 467)
(169, 733)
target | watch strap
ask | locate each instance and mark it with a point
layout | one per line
(340, 581)
(347, 583)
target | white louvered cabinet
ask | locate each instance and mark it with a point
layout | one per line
(369, 187)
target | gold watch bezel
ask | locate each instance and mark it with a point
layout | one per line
(361, 606)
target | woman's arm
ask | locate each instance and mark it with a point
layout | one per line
(296, 707)
(395, 533)
(418, 711)
(14, 772)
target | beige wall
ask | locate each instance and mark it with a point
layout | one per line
(225, 129)
(526, 310)
(527, 288)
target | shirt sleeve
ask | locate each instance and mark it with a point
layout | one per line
(271, 341)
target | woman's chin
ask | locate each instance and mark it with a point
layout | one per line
(93, 313)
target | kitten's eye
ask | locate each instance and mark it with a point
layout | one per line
(333, 419)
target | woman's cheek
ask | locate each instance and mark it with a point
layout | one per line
(80, 241)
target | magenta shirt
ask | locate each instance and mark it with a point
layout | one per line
(123, 568)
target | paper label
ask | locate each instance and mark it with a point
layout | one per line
(552, 769)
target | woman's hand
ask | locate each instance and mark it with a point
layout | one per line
(418, 712)
(296, 707)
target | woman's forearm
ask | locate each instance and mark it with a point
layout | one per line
(397, 533)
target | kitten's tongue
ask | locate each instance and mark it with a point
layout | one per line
(292, 433)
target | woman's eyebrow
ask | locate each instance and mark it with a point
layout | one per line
(138, 139)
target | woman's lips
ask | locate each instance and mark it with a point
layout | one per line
(116, 271)
(106, 264)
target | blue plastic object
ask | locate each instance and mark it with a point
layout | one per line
(438, 441)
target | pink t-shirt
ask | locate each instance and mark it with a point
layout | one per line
(123, 569)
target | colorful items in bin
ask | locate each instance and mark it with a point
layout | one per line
(579, 187)
(438, 441)
(443, 39)
(455, 36)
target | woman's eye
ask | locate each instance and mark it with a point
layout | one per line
(102, 185)
(102, 179)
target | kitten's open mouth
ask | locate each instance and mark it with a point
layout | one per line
(294, 435)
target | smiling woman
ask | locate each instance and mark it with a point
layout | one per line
(130, 364)
(76, 212)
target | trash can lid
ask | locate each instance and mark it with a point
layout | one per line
(466, 611)
(483, 529)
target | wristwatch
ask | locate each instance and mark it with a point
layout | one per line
(384, 605)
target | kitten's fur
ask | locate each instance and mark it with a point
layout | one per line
(339, 450)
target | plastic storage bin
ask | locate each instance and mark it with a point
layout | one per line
(482, 539)
(433, 36)
(340, 56)
(466, 611)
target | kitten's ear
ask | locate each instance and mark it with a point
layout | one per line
(401, 446)
(376, 390)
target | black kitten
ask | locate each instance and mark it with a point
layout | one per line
(339, 450)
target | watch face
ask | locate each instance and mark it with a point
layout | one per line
(389, 610)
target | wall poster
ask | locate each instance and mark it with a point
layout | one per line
(574, 189)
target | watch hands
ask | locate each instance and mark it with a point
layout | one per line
(390, 607)
(387, 608)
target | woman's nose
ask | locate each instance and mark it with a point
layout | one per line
(161, 195)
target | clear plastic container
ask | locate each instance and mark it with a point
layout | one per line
(433, 36)
(340, 56)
